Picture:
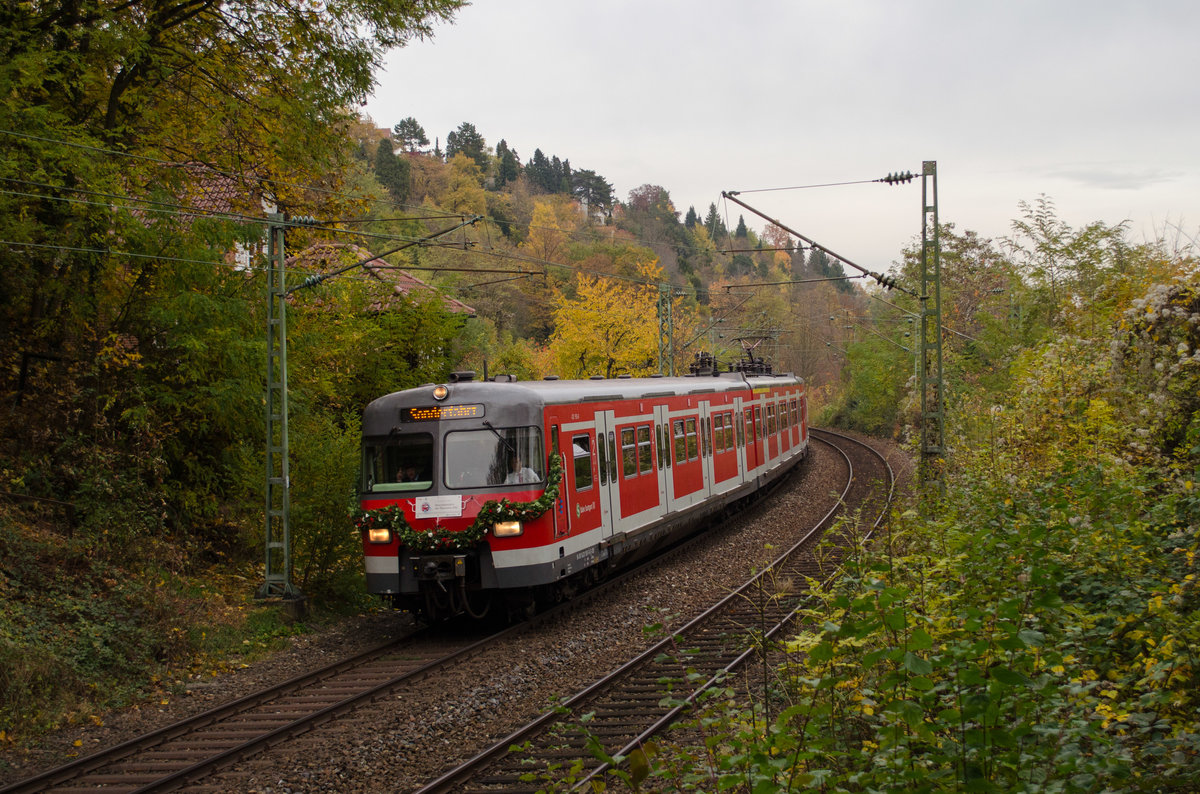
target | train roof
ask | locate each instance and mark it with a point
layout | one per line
(553, 391)
(519, 402)
(592, 390)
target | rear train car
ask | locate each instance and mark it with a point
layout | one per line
(478, 494)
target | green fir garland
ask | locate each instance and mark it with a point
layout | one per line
(492, 512)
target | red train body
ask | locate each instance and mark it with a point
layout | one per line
(465, 504)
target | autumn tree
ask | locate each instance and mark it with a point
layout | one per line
(463, 193)
(608, 328)
(147, 135)
(1065, 265)
(651, 216)
(554, 220)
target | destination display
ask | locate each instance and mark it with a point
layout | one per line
(436, 413)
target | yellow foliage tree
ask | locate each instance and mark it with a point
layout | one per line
(463, 190)
(608, 328)
(550, 229)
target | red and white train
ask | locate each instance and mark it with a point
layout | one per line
(465, 503)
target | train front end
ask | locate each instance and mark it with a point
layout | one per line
(450, 473)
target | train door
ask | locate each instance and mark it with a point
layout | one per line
(662, 446)
(706, 447)
(562, 523)
(742, 449)
(754, 437)
(785, 427)
(772, 430)
(581, 474)
(608, 486)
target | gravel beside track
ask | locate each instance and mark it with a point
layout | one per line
(400, 742)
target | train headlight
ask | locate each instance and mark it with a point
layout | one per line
(507, 529)
(379, 535)
(440, 392)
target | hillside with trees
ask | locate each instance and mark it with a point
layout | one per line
(1034, 627)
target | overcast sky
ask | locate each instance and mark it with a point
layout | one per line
(1093, 103)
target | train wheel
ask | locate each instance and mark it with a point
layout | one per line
(520, 607)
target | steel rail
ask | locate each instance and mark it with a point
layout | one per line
(78, 769)
(724, 673)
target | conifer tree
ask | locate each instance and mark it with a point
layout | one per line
(714, 224)
(592, 188)
(392, 172)
(507, 167)
(410, 135)
(538, 171)
(466, 139)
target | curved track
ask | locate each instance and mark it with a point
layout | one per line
(191, 749)
(626, 707)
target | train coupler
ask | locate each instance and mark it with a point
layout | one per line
(439, 567)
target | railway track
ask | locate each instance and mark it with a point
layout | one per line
(187, 750)
(192, 749)
(634, 703)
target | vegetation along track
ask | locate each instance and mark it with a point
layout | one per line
(629, 705)
(188, 751)
(194, 747)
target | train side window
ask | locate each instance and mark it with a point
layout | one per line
(645, 456)
(581, 450)
(628, 453)
(658, 444)
(741, 438)
(680, 442)
(612, 456)
(693, 448)
(749, 425)
(795, 414)
(600, 448)
(758, 423)
(771, 425)
(784, 417)
(728, 430)
(719, 433)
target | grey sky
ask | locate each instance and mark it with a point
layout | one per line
(1094, 104)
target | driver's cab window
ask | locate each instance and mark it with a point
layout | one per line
(400, 463)
(503, 456)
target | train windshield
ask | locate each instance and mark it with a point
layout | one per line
(500, 456)
(401, 463)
